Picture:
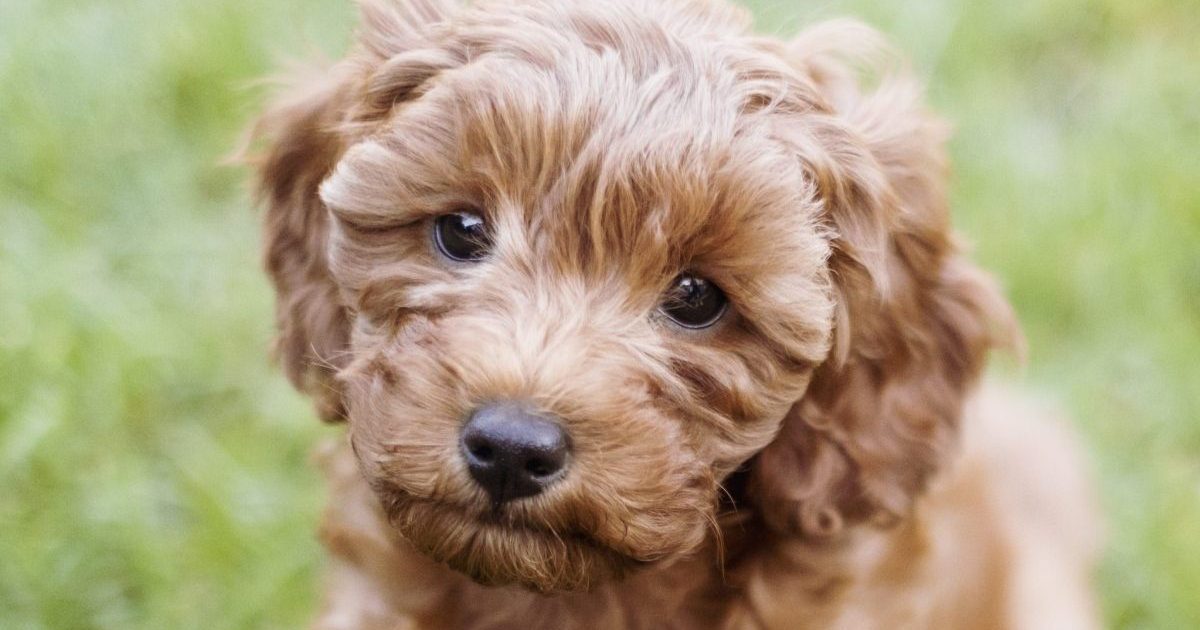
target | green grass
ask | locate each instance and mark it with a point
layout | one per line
(154, 465)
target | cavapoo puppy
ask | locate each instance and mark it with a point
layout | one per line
(639, 320)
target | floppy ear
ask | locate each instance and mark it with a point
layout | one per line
(914, 319)
(304, 134)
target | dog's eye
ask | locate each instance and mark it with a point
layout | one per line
(462, 236)
(694, 302)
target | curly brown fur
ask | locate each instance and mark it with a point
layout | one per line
(772, 471)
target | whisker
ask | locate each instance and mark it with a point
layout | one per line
(718, 540)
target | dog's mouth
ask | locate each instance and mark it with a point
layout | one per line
(496, 548)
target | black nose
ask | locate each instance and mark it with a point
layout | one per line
(512, 452)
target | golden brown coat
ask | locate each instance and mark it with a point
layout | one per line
(796, 466)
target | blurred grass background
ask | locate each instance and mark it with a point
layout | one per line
(154, 466)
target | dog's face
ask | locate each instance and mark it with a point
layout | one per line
(570, 270)
(633, 260)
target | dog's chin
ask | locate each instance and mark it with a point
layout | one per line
(494, 552)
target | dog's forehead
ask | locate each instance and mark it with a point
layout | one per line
(604, 147)
(596, 156)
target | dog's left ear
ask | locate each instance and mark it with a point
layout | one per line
(914, 319)
(304, 133)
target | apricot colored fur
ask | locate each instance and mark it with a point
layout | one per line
(800, 465)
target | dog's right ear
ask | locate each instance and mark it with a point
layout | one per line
(302, 135)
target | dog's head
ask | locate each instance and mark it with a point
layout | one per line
(565, 267)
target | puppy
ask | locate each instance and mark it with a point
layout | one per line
(638, 320)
